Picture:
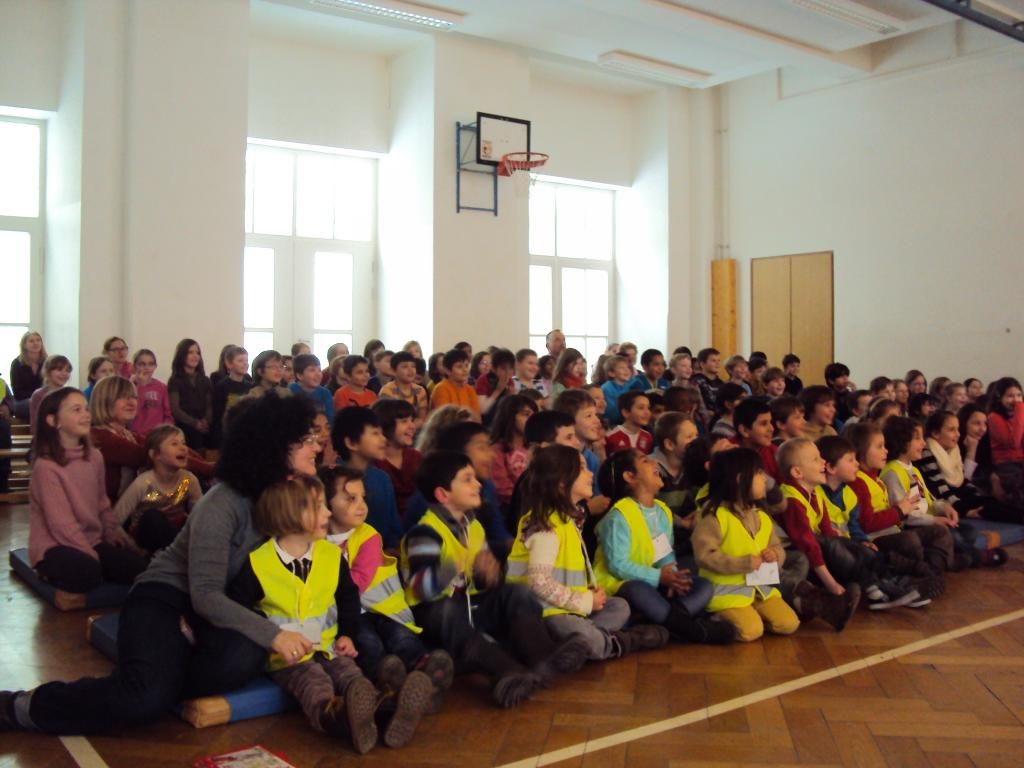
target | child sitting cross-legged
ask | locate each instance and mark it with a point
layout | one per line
(636, 559)
(453, 584)
(158, 501)
(301, 582)
(391, 651)
(635, 408)
(731, 541)
(549, 557)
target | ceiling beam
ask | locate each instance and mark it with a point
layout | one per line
(966, 10)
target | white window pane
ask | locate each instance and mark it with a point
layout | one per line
(542, 219)
(272, 191)
(324, 341)
(575, 342)
(15, 266)
(258, 288)
(256, 342)
(332, 290)
(541, 299)
(574, 301)
(10, 345)
(595, 347)
(249, 182)
(597, 302)
(537, 343)
(19, 169)
(353, 207)
(584, 223)
(314, 196)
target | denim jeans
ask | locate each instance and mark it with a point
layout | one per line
(156, 668)
(378, 636)
(652, 603)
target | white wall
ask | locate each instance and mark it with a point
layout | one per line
(32, 53)
(915, 182)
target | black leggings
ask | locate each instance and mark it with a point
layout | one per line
(73, 570)
(991, 507)
(154, 531)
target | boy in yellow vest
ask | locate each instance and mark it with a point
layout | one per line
(389, 643)
(301, 583)
(453, 586)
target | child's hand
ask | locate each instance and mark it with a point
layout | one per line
(952, 515)
(291, 646)
(668, 575)
(870, 545)
(687, 522)
(755, 562)
(970, 446)
(117, 536)
(600, 599)
(344, 646)
(976, 512)
(202, 426)
(769, 555)
(905, 505)
(486, 570)
(944, 522)
(835, 588)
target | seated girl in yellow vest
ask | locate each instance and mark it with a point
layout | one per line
(636, 559)
(732, 540)
(388, 639)
(933, 521)
(300, 581)
(452, 582)
(549, 557)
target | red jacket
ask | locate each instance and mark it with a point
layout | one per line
(1006, 436)
(798, 527)
(871, 519)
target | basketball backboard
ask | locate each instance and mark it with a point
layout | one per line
(498, 135)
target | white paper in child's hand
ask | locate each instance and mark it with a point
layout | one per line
(662, 546)
(310, 629)
(768, 573)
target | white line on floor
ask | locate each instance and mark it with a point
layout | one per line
(697, 715)
(82, 752)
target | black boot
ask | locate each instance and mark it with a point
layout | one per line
(643, 637)
(692, 629)
(568, 656)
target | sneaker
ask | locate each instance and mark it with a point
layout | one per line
(412, 703)
(439, 667)
(994, 557)
(921, 602)
(930, 587)
(513, 688)
(570, 655)
(361, 700)
(886, 602)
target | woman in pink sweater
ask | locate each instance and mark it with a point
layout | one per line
(73, 541)
(1006, 436)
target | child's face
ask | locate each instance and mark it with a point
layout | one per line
(59, 376)
(360, 376)
(740, 372)
(630, 353)
(480, 454)
(34, 344)
(348, 506)
(761, 431)
(656, 410)
(310, 377)
(322, 430)
(125, 408)
(927, 409)
(917, 385)
(775, 387)
(340, 377)
(72, 418)
(484, 365)
(844, 470)
(106, 368)
(977, 425)
(118, 351)
(888, 391)
(405, 373)
(384, 367)
(599, 401)
(647, 477)
(793, 369)
(405, 431)
(239, 365)
(656, 368)
(712, 365)
(145, 367)
(527, 369)
(622, 372)
(193, 357)
(372, 444)
(862, 405)
(640, 414)
(957, 399)
(273, 372)
(687, 434)
(1010, 398)
(916, 445)
(567, 436)
(578, 369)
(759, 485)
(901, 392)
(810, 468)
(683, 369)
(287, 372)
(975, 390)
(794, 425)
(464, 493)
(876, 454)
(316, 518)
(522, 416)
(548, 369)
(825, 413)
(172, 452)
(583, 487)
(840, 383)
(949, 435)
(415, 350)
(459, 374)
(587, 423)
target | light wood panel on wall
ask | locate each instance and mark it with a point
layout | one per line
(791, 310)
(723, 306)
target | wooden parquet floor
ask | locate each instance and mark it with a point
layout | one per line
(959, 703)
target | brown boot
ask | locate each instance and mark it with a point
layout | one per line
(353, 715)
(411, 704)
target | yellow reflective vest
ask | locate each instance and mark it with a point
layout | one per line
(897, 468)
(571, 568)
(641, 546)
(839, 516)
(814, 516)
(731, 589)
(454, 554)
(384, 595)
(289, 600)
(879, 502)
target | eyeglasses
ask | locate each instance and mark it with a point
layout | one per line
(311, 440)
(118, 349)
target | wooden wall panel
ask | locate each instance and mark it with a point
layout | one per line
(770, 302)
(723, 306)
(812, 314)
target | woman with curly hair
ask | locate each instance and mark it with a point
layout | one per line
(180, 635)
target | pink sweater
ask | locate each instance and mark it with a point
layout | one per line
(1006, 436)
(69, 504)
(154, 407)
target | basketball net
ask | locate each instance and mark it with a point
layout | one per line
(520, 166)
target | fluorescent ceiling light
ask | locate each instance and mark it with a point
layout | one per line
(855, 15)
(398, 10)
(662, 71)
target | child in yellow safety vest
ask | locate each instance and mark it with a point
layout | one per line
(549, 557)
(389, 642)
(636, 557)
(732, 540)
(301, 582)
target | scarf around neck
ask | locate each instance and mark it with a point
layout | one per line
(950, 462)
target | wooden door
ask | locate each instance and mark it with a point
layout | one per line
(769, 307)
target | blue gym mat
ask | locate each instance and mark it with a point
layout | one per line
(104, 596)
(259, 698)
(1008, 533)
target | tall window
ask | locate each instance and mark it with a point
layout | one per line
(572, 248)
(21, 231)
(310, 223)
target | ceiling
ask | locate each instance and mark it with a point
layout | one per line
(726, 39)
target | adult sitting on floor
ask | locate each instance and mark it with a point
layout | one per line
(180, 635)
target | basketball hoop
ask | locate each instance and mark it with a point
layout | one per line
(520, 161)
